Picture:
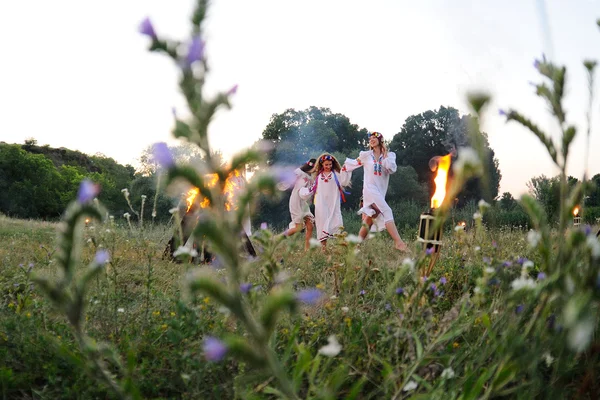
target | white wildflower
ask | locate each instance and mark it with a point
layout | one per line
(125, 190)
(459, 228)
(581, 334)
(345, 309)
(490, 270)
(447, 373)
(108, 231)
(89, 240)
(121, 310)
(332, 348)
(185, 250)
(527, 264)
(411, 385)
(548, 358)
(477, 290)
(353, 239)
(143, 197)
(594, 246)
(408, 263)
(467, 159)
(534, 238)
(477, 215)
(483, 204)
(477, 248)
(224, 310)
(127, 215)
(523, 283)
(333, 297)
(153, 214)
(173, 210)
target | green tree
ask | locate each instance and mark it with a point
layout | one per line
(436, 133)
(507, 201)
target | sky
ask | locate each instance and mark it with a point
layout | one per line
(77, 74)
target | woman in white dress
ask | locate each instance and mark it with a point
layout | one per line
(328, 191)
(377, 164)
(299, 209)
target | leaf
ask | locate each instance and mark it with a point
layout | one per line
(504, 376)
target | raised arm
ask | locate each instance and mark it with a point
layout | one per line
(351, 164)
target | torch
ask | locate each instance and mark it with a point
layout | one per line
(429, 234)
(576, 216)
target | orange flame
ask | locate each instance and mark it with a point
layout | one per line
(440, 181)
(233, 183)
(576, 211)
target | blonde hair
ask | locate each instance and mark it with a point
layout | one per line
(326, 157)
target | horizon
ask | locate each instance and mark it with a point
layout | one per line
(97, 89)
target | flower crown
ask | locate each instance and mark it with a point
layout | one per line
(326, 157)
(377, 135)
(310, 163)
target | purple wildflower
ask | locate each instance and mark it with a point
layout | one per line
(443, 280)
(521, 260)
(502, 112)
(245, 287)
(233, 90)
(87, 191)
(429, 251)
(519, 308)
(162, 155)
(541, 276)
(587, 230)
(487, 260)
(195, 51)
(388, 306)
(263, 225)
(214, 349)
(147, 29)
(536, 64)
(362, 293)
(399, 290)
(102, 257)
(433, 287)
(507, 264)
(437, 293)
(494, 244)
(424, 279)
(309, 296)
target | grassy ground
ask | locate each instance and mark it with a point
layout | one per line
(458, 333)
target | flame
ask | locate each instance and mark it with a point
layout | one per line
(440, 181)
(233, 183)
(87, 221)
(462, 223)
(576, 211)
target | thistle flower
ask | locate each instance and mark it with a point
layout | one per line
(519, 308)
(541, 276)
(502, 112)
(309, 296)
(162, 155)
(102, 257)
(399, 290)
(87, 191)
(443, 280)
(245, 287)
(263, 226)
(147, 29)
(214, 349)
(362, 293)
(195, 51)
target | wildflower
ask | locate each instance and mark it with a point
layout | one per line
(164, 326)
(156, 313)
(214, 349)
(353, 239)
(388, 306)
(348, 321)
(587, 230)
(344, 309)
(362, 293)
(507, 264)
(433, 287)
(447, 373)
(429, 251)
(455, 345)
(195, 51)
(320, 286)
(332, 348)
(528, 264)
(233, 90)
(162, 155)
(408, 263)
(594, 246)
(467, 159)
(125, 192)
(263, 226)
(477, 215)
(102, 257)
(487, 260)
(147, 29)
(581, 334)
(28, 315)
(548, 358)
(522, 283)
(477, 248)
(489, 270)
(502, 112)
(87, 191)
(521, 260)
(126, 215)
(245, 287)
(534, 238)
(173, 314)
(494, 244)
(399, 290)
(483, 204)
(173, 210)
(411, 385)
(309, 296)
(459, 228)
(120, 310)
(519, 308)
(443, 280)
(143, 197)
(541, 276)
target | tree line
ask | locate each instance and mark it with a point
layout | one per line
(39, 181)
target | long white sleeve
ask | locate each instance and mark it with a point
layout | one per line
(389, 163)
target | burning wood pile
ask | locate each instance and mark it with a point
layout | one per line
(194, 206)
(430, 232)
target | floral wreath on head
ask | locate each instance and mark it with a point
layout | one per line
(327, 157)
(310, 163)
(378, 135)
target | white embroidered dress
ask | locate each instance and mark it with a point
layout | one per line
(376, 179)
(328, 215)
(299, 208)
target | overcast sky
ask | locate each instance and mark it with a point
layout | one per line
(78, 74)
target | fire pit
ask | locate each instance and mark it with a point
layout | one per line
(429, 234)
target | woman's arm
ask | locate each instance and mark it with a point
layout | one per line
(389, 163)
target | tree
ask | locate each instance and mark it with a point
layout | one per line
(185, 153)
(297, 136)
(507, 201)
(547, 192)
(436, 133)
